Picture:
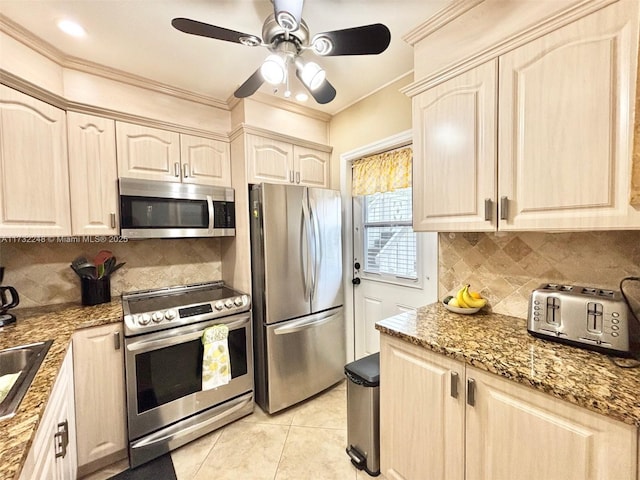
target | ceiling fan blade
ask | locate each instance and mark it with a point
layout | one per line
(365, 40)
(288, 13)
(322, 94)
(205, 30)
(250, 86)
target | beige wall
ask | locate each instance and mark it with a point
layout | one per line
(381, 115)
(506, 267)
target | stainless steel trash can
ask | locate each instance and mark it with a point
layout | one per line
(363, 413)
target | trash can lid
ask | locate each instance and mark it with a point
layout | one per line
(367, 369)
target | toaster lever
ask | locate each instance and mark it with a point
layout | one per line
(553, 311)
(594, 317)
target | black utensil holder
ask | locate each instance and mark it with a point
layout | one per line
(95, 290)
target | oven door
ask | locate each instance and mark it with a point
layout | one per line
(164, 373)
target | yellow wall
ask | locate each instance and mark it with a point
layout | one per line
(378, 116)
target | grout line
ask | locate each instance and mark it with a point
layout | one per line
(199, 467)
(284, 444)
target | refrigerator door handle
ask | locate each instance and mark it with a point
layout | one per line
(315, 229)
(307, 232)
(300, 325)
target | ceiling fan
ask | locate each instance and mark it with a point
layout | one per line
(286, 35)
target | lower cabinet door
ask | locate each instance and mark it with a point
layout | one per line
(100, 400)
(514, 432)
(421, 413)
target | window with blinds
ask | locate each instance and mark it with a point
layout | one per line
(389, 239)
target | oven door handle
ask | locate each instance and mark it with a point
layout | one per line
(146, 345)
(159, 437)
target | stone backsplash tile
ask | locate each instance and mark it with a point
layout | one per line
(505, 267)
(42, 275)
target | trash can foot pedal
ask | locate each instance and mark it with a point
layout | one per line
(359, 461)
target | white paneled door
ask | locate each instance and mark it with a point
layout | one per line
(394, 269)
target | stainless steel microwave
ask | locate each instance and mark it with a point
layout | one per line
(153, 209)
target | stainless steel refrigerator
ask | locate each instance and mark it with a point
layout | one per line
(299, 324)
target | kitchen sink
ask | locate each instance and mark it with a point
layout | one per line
(18, 367)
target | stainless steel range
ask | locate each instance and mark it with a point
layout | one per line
(166, 404)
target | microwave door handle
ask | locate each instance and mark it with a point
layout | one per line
(211, 213)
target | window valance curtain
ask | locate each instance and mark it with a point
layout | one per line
(384, 172)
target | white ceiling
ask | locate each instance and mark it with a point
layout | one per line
(136, 36)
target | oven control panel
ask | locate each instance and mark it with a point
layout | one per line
(136, 323)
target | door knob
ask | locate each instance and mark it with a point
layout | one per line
(356, 281)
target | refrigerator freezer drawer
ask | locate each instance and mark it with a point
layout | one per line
(304, 356)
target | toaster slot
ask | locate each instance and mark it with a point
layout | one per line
(594, 317)
(553, 311)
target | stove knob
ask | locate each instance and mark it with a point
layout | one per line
(157, 317)
(228, 303)
(219, 305)
(170, 314)
(144, 319)
(238, 301)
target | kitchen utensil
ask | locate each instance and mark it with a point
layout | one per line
(88, 271)
(117, 267)
(107, 267)
(101, 257)
(78, 262)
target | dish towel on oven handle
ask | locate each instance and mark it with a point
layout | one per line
(216, 366)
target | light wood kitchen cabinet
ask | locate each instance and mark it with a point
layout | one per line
(442, 419)
(147, 153)
(560, 148)
(34, 197)
(205, 161)
(454, 168)
(276, 161)
(53, 453)
(421, 413)
(155, 154)
(100, 402)
(93, 174)
(513, 431)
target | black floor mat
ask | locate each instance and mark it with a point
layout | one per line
(160, 468)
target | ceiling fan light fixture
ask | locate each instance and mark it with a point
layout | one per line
(288, 14)
(312, 75)
(322, 45)
(273, 69)
(302, 97)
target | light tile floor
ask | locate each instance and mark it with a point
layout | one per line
(306, 441)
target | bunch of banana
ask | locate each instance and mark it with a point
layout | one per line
(466, 299)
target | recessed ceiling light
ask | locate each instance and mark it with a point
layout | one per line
(302, 97)
(71, 28)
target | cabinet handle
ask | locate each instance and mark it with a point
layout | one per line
(113, 220)
(471, 392)
(185, 169)
(297, 177)
(487, 209)
(61, 439)
(454, 384)
(176, 169)
(290, 176)
(116, 340)
(504, 208)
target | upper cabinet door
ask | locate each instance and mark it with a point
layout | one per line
(269, 161)
(565, 121)
(311, 167)
(34, 178)
(205, 161)
(454, 164)
(93, 174)
(145, 152)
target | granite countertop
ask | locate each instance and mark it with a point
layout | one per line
(57, 323)
(501, 344)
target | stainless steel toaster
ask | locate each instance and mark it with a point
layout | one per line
(586, 317)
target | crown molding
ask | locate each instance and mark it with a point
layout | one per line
(544, 26)
(290, 106)
(37, 44)
(244, 128)
(439, 20)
